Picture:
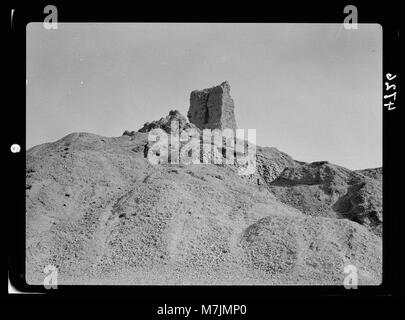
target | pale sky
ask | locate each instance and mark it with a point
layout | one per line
(313, 91)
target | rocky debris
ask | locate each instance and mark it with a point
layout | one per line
(212, 108)
(324, 189)
(126, 221)
(99, 211)
(316, 248)
(271, 163)
(166, 123)
(128, 133)
(363, 204)
(374, 173)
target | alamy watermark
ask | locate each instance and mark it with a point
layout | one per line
(351, 281)
(192, 146)
(51, 278)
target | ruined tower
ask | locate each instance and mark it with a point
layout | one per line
(212, 108)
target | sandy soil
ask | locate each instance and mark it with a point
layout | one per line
(102, 214)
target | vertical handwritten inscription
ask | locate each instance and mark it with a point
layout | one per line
(391, 93)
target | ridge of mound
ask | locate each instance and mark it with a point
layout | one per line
(374, 173)
(101, 213)
(166, 123)
(324, 189)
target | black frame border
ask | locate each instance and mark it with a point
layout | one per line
(386, 15)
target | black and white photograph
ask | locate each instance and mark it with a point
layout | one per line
(208, 154)
(107, 104)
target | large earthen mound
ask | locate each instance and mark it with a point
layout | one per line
(102, 213)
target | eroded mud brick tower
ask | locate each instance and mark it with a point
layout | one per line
(212, 108)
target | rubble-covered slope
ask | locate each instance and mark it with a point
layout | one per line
(102, 214)
(327, 190)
